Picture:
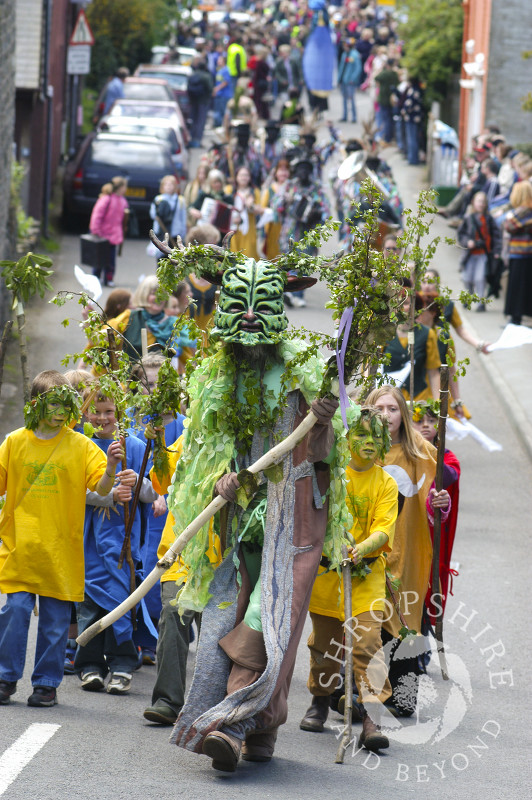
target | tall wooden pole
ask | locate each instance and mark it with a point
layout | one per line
(436, 544)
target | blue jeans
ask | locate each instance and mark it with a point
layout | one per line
(218, 105)
(102, 654)
(474, 273)
(412, 142)
(198, 116)
(348, 94)
(52, 635)
(400, 134)
(385, 123)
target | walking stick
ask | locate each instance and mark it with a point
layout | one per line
(444, 400)
(348, 635)
(128, 520)
(134, 504)
(3, 347)
(269, 459)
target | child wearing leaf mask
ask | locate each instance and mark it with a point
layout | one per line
(372, 501)
(45, 470)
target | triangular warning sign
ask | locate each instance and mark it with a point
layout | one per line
(82, 33)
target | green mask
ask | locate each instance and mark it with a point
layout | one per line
(251, 306)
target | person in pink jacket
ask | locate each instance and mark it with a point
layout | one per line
(107, 220)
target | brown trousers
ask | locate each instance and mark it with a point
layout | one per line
(327, 657)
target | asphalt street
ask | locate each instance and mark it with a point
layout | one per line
(470, 738)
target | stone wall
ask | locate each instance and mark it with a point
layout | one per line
(510, 76)
(7, 126)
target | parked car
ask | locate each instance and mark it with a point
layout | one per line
(143, 160)
(157, 127)
(176, 75)
(137, 89)
(162, 109)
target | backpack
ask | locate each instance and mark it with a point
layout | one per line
(196, 85)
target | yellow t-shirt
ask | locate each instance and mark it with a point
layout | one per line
(178, 571)
(372, 501)
(41, 526)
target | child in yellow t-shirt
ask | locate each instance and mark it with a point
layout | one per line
(372, 501)
(45, 470)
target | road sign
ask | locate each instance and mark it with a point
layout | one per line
(79, 59)
(82, 33)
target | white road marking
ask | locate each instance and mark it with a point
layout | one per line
(16, 757)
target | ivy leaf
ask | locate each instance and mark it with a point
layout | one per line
(274, 473)
(248, 482)
(88, 429)
(404, 633)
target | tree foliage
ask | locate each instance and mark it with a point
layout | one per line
(432, 33)
(124, 33)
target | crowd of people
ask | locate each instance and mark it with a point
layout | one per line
(492, 211)
(262, 179)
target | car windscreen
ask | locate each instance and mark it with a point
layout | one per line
(176, 80)
(165, 134)
(145, 91)
(127, 154)
(143, 110)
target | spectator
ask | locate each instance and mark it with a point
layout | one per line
(236, 60)
(412, 112)
(287, 72)
(490, 170)
(387, 79)
(199, 90)
(518, 223)
(349, 74)
(479, 234)
(114, 90)
(109, 220)
(222, 92)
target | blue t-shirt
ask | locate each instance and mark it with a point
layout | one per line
(223, 75)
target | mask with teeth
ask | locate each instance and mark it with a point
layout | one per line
(251, 306)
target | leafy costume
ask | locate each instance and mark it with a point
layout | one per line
(235, 413)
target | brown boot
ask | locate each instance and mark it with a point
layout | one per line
(223, 749)
(372, 737)
(259, 746)
(316, 715)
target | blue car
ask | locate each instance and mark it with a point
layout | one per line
(143, 160)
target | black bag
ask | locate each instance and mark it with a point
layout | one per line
(95, 251)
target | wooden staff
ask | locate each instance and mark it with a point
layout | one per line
(126, 545)
(3, 347)
(134, 504)
(269, 459)
(348, 637)
(444, 400)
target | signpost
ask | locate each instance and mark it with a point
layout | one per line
(78, 63)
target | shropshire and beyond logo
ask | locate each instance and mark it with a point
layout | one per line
(438, 706)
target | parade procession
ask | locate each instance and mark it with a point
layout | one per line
(266, 395)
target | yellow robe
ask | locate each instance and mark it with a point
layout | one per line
(372, 501)
(247, 242)
(411, 557)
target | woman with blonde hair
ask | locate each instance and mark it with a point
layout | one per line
(411, 461)
(148, 313)
(518, 225)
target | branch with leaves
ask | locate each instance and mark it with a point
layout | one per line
(25, 278)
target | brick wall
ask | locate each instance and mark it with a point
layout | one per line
(7, 125)
(510, 76)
